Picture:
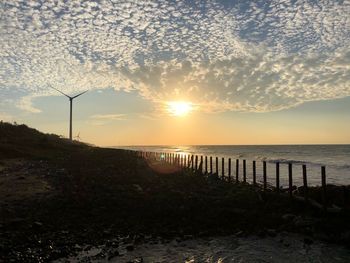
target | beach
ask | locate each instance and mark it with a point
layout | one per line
(59, 199)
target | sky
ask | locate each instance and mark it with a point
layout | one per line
(251, 72)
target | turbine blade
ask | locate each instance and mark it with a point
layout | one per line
(79, 94)
(60, 92)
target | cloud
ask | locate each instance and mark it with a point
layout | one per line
(222, 55)
(259, 83)
(26, 103)
(102, 119)
(108, 117)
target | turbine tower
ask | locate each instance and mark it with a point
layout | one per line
(71, 108)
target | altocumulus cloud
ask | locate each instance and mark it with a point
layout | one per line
(221, 55)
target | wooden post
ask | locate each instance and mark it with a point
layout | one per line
(254, 173)
(290, 176)
(324, 187)
(201, 164)
(264, 176)
(192, 162)
(305, 183)
(211, 165)
(278, 177)
(196, 163)
(244, 171)
(229, 169)
(237, 170)
(206, 164)
(217, 166)
(223, 168)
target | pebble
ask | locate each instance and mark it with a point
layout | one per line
(113, 254)
(129, 247)
(288, 217)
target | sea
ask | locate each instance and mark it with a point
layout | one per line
(336, 159)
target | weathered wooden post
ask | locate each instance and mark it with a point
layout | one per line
(237, 170)
(229, 169)
(324, 187)
(223, 168)
(278, 177)
(206, 164)
(305, 183)
(196, 163)
(201, 165)
(217, 166)
(254, 173)
(211, 164)
(192, 162)
(290, 176)
(244, 171)
(264, 176)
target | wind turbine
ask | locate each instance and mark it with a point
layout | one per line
(71, 108)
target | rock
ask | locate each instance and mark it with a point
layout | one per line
(87, 248)
(129, 247)
(113, 254)
(288, 217)
(138, 188)
(301, 222)
(271, 232)
(37, 224)
(262, 233)
(286, 244)
(186, 237)
(77, 247)
(137, 260)
(345, 236)
(239, 234)
(308, 241)
(239, 211)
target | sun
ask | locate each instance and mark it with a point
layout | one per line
(179, 108)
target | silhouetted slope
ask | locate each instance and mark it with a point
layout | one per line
(22, 141)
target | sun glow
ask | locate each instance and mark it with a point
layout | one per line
(179, 108)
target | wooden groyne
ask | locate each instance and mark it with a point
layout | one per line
(204, 165)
